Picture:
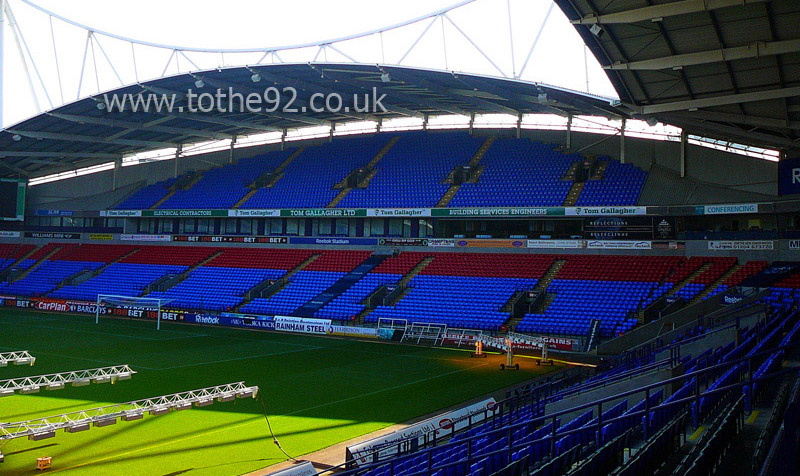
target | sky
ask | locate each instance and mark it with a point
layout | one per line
(558, 59)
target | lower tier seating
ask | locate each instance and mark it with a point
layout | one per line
(302, 287)
(577, 302)
(229, 285)
(458, 301)
(120, 279)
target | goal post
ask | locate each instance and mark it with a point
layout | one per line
(153, 304)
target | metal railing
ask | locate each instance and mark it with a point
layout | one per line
(516, 403)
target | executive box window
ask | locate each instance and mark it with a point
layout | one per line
(166, 226)
(293, 226)
(203, 225)
(246, 226)
(341, 227)
(275, 226)
(230, 226)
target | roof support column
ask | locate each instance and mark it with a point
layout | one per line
(519, 125)
(117, 168)
(230, 152)
(330, 133)
(283, 139)
(2, 47)
(178, 151)
(684, 144)
(425, 123)
(471, 122)
(569, 132)
(622, 142)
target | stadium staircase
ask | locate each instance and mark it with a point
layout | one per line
(82, 276)
(541, 287)
(184, 183)
(35, 265)
(369, 172)
(591, 336)
(180, 277)
(602, 165)
(269, 178)
(474, 164)
(16, 263)
(573, 194)
(343, 284)
(702, 269)
(264, 290)
(716, 283)
(403, 284)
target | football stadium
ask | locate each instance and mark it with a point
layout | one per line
(495, 238)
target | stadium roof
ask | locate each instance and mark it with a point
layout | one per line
(722, 68)
(82, 133)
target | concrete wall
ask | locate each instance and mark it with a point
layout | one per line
(632, 383)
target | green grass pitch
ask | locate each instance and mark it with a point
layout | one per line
(318, 392)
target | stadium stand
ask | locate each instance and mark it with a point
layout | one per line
(148, 196)
(223, 187)
(523, 436)
(518, 173)
(404, 177)
(621, 184)
(309, 180)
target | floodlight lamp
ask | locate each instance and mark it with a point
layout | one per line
(16, 137)
(255, 77)
(385, 77)
(199, 83)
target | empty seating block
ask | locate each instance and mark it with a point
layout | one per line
(148, 196)
(122, 279)
(458, 301)
(621, 184)
(215, 288)
(413, 172)
(518, 173)
(224, 186)
(302, 287)
(309, 180)
(577, 302)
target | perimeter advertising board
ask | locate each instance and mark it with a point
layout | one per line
(443, 424)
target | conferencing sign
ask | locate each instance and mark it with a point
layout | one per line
(789, 176)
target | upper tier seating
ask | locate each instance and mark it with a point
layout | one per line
(621, 184)
(518, 173)
(148, 196)
(309, 180)
(223, 187)
(413, 172)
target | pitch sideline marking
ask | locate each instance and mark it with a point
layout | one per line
(231, 359)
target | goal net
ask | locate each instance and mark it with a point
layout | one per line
(432, 332)
(133, 304)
